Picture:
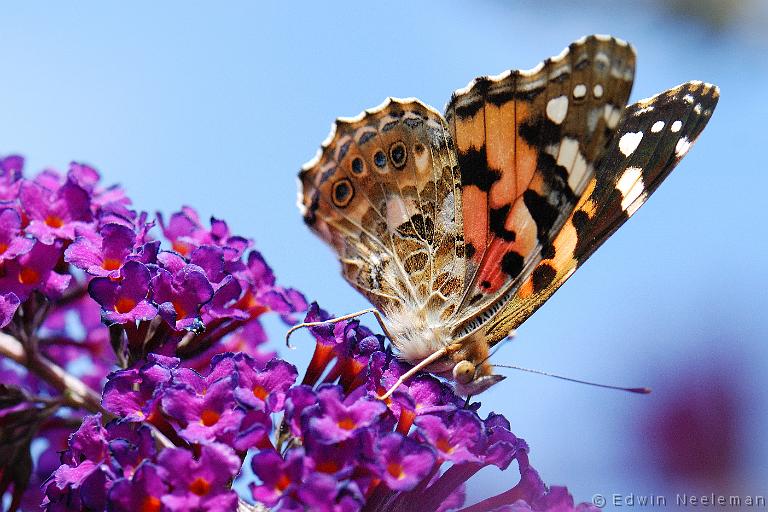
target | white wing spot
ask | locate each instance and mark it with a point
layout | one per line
(644, 110)
(682, 146)
(579, 91)
(688, 98)
(597, 90)
(557, 108)
(577, 173)
(676, 126)
(569, 148)
(611, 115)
(603, 59)
(697, 108)
(657, 127)
(632, 188)
(629, 141)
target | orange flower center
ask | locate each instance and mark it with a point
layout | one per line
(180, 311)
(28, 276)
(347, 423)
(200, 486)
(151, 504)
(3, 247)
(444, 446)
(124, 305)
(54, 221)
(110, 264)
(327, 466)
(181, 247)
(209, 417)
(259, 392)
(396, 470)
(282, 482)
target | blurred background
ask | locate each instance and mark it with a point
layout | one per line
(217, 108)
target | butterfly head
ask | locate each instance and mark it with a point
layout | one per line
(473, 379)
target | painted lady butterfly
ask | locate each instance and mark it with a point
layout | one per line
(458, 228)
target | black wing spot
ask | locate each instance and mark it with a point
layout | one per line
(343, 192)
(497, 221)
(543, 213)
(486, 284)
(358, 166)
(469, 250)
(548, 252)
(398, 154)
(365, 137)
(543, 276)
(475, 171)
(540, 132)
(512, 264)
(380, 159)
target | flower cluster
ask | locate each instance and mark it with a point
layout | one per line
(141, 368)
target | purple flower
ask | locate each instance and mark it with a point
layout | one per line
(12, 242)
(298, 399)
(339, 418)
(129, 446)
(458, 436)
(263, 388)
(201, 484)
(182, 230)
(9, 303)
(82, 473)
(143, 492)
(180, 294)
(124, 299)
(34, 271)
(208, 416)
(278, 476)
(102, 254)
(54, 213)
(402, 461)
(132, 393)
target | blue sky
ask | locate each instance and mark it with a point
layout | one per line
(218, 108)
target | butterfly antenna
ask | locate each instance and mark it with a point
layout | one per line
(336, 320)
(640, 391)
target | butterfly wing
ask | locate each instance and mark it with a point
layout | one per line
(383, 192)
(527, 144)
(652, 136)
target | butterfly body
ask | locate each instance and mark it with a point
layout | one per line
(457, 228)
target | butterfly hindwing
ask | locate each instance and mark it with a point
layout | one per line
(652, 136)
(383, 192)
(527, 143)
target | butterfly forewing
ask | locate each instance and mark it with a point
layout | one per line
(527, 143)
(652, 136)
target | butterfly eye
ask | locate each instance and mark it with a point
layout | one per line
(464, 372)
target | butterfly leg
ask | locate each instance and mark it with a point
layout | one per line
(421, 365)
(375, 312)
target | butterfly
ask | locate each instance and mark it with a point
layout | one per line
(458, 227)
